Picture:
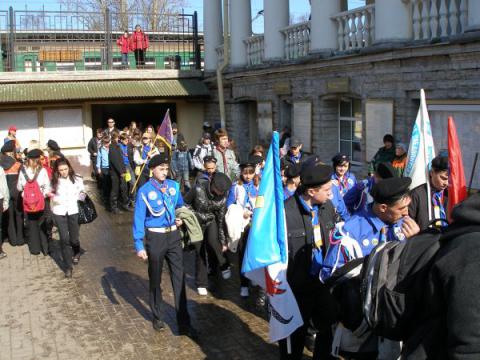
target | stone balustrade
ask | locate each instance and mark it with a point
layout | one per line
(438, 18)
(255, 50)
(355, 28)
(297, 40)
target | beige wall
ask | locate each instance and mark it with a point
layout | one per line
(190, 121)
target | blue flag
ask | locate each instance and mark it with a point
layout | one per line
(266, 241)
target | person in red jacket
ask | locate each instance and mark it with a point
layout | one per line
(123, 43)
(139, 45)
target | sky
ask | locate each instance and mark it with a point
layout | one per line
(298, 8)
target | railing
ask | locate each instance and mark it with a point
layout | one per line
(438, 18)
(62, 40)
(255, 50)
(355, 28)
(297, 40)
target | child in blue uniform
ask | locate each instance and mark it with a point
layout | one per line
(342, 178)
(154, 220)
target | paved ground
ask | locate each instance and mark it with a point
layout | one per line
(103, 313)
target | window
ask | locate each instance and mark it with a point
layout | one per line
(350, 128)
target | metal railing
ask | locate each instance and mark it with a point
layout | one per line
(61, 40)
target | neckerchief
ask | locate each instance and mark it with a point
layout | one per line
(224, 157)
(317, 251)
(251, 194)
(342, 184)
(438, 207)
(167, 202)
(296, 159)
(145, 151)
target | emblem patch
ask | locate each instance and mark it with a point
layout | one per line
(152, 195)
(172, 191)
(375, 242)
(365, 242)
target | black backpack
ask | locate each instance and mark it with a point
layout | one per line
(382, 291)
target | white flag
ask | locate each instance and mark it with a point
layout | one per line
(421, 150)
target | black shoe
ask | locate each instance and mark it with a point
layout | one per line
(158, 325)
(76, 259)
(68, 273)
(189, 331)
(2, 255)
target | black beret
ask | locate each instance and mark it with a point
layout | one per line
(292, 170)
(440, 163)
(316, 175)
(159, 159)
(253, 160)
(386, 190)
(209, 158)
(9, 146)
(221, 182)
(52, 144)
(340, 159)
(386, 170)
(35, 153)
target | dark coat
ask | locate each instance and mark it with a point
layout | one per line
(92, 147)
(300, 241)
(451, 325)
(207, 208)
(418, 208)
(115, 159)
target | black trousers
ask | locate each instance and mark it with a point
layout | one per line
(68, 228)
(15, 221)
(244, 282)
(317, 307)
(139, 57)
(118, 191)
(37, 234)
(210, 241)
(106, 185)
(166, 246)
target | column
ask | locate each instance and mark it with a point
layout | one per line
(393, 21)
(212, 32)
(241, 29)
(323, 30)
(276, 17)
(473, 15)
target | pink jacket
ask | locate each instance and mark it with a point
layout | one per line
(138, 40)
(124, 44)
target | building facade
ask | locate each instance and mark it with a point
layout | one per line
(348, 76)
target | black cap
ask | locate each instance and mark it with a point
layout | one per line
(9, 146)
(209, 158)
(52, 144)
(295, 142)
(221, 182)
(340, 159)
(440, 163)
(34, 154)
(390, 189)
(159, 159)
(253, 160)
(316, 175)
(207, 136)
(386, 170)
(292, 170)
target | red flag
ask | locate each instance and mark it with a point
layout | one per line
(457, 186)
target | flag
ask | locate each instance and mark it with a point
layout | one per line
(457, 186)
(266, 255)
(421, 150)
(165, 133)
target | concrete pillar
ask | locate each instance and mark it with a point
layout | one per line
(473, 15)
(323, 30)
(276, 17)
(241, 28)
(393, 21)
(212, 32)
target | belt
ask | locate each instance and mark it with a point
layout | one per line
(163, 230)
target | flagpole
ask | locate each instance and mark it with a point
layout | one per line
(429, 195)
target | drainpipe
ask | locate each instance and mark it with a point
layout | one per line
(221, 68)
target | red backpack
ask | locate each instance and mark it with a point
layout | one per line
(33, 199)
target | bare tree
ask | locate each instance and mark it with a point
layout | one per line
(152, 15)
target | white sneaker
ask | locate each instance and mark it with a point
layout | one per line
(202, 291)
(244, 291)
(226, 274)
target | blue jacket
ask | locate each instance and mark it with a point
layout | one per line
(339, 204)
(358, 197)
(356, 238)
(102, 158)
(248, 195)
(181, 161)
(155, 208)
(349, 181)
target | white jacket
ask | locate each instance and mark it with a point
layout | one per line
(64, 200)
(4, 192)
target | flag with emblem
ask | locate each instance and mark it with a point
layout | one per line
(266, 255)
(165, 133)
(421, 150)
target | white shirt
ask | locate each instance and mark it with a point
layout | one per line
(64, 201)
(42, 180)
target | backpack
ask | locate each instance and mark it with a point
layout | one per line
(33, 199)
(382, 291)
